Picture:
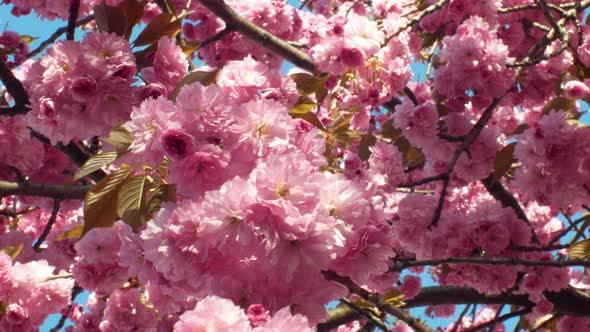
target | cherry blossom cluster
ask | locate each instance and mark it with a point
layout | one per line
(82, 89)
(30, 293)
(290, 220)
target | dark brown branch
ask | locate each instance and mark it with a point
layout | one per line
(56, 35)
(428, 10)
(411, 95)
(71, 150)
(445, 176)
(340, 315)
(378, 300)
(75, 292)
(49, 226)
(71, 28)
(515, 261)
(499, 192)
(57, 191)
(500, 319)
(216, 37)
(234, 21)
(460, 318)
(16, 89)
(565, 302)
(368, 315)
(568, 229)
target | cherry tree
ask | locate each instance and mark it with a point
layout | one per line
(166, 162)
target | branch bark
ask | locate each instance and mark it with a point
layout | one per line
(236, 22)
(499, 192)
(57, 191)
(566, 302)
(16, 90)
(378, 300)
(71, 29)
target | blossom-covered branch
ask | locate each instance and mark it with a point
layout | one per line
(281, 48)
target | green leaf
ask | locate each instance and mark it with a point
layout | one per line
(414, 157)
(143, 58)
(28, 39)
(162, 193)
(394, 296)
(560, 104)
(110, 19)
(367, 141)
(133, 11)
(164, 24)
(13, 251)
(95, 163)
(308, 84)
(130, 202)
(73, 233)
(120, 139)
(579, 250)
(542, 321)
(389, 131)
(302, 110)
(100, 204)
(504, 160)
(203, 77)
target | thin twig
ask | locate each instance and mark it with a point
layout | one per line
(16, 89)
(378, 300)
(499, 192)
(370, 317)
(568, 229)
(460, 318)
(49, 226)
(75, 292)
(216, 37)
(56, 35)
(428, 10)
(499, 319)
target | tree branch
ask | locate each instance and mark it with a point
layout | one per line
(56, 35)
(566, 302)
(57, 191)
(378, 300)
(71, 28)
(75, 291)
(499, 192)
(48, 227)
(75, 154)
(236, 22)
(406, 264)
(16, 89)
(500, 319)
